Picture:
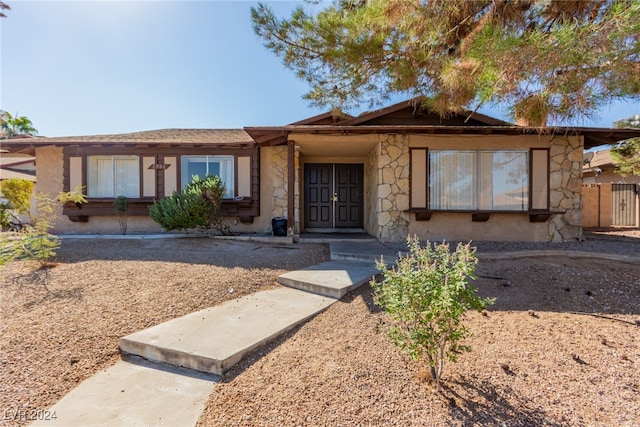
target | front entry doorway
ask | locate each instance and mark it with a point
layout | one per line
(333, 195)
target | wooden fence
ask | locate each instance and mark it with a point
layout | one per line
(610, 205)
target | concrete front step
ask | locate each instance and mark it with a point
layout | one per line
(370, 251)
(214, 339)
(332, 278)
(133, 394)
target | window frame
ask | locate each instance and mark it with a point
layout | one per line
(87, 174)
(230, 160)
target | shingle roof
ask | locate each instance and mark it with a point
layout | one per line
(230, 137)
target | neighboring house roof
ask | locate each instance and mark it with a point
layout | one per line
(162, 137)
(600, 159)
(15, 165)
(16, 160)
(410, 117)
(13, 173)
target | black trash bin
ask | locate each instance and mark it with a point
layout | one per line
(279, 226)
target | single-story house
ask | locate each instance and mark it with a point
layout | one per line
(398, 171)
(609, 199)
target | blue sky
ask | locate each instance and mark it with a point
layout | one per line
(99, 67)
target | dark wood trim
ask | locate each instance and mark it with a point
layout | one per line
(245, 209)
(548, 179)
(427, 184)
(291, 176)
(483, 216)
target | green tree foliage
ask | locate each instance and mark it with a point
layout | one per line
(74, 196)
(426, 295)
(544, 59)
(3, 6)
(18, 192)
(627, 153)
(198, 206)
(12, 126)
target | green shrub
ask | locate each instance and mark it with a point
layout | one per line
(426, 295)
(5, 217)
(18, 192)
(198, 206)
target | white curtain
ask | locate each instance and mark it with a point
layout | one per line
(113, 176)
(479, 180)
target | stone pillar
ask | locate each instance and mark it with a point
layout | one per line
(393, 188)
(279, 178)
(565, 184)
(297, 184)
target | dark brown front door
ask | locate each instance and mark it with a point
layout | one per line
(333, 195)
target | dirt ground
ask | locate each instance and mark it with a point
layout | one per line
(539, 357)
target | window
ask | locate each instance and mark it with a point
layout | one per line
(479, 180)
(113, 176)
(201, 166)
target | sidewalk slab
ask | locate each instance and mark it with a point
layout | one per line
(332, 278)
(134, 394)
(214, 339)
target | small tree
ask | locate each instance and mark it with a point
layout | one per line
(120, 205)
(198, 206)
(427, 294)
(35, 242)
(18, 192)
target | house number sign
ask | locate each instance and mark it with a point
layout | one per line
(159, 166)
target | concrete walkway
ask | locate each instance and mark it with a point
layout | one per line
(168, 371)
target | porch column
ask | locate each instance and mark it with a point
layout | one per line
(291, 177)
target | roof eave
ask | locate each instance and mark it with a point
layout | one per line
(277, 135)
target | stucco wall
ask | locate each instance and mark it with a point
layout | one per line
(609, 176)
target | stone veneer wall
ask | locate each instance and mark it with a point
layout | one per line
(565, 188)
(279, 178)
(371, 191)
(393, 188)
(280, 187)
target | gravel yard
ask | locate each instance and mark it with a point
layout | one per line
(106, 289)
(538, 359)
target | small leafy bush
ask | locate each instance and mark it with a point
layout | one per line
(198, 206)
(5, 215)
(18, 192)
(426, 295)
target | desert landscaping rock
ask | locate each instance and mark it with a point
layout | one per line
(539, 357)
